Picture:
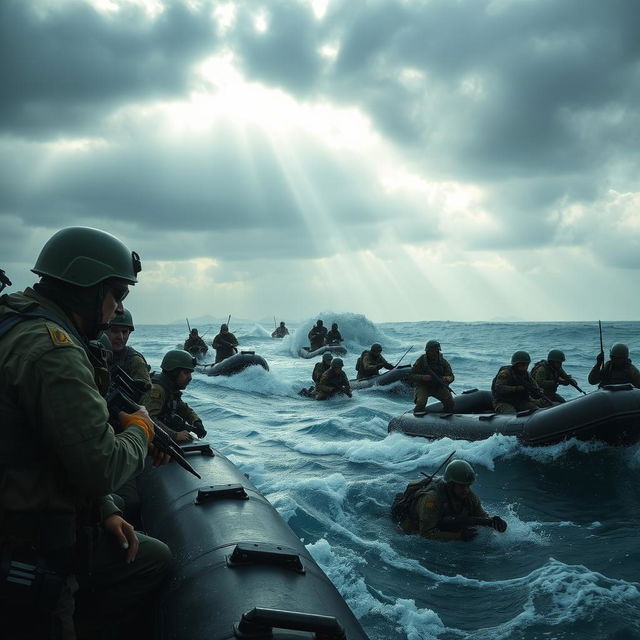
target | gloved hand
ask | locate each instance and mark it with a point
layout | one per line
(198, 428)
(498, 524)
(600, 358)
(468, 533)
(141, 419)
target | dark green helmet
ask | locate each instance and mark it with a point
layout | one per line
(459, 472)
(432, 344)
(555, 355)
(376, 347)
(337, 363)
(123, 319)
(84, 257)
(327, 355)
(520, 357)
(178, 359)
(619, 350)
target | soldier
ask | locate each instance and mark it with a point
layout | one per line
(317, 336)
(447, 509)
(280, 332)
(334, 336)
(549, 373)
(513, 389)
(129, 359)
(618, 370)
(60, 456)
(225, 344)
(333, 381)
(164, 400)
(424, 375)
(195, 345)
(321, 367)
(371, 362)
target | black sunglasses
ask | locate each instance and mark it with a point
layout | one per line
(119, 291)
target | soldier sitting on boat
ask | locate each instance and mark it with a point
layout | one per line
(444, 509)
(513, 389)
(617, 370)
(129, 359)
(371, 361)
(225, 344)
(333, 381)
(317, 336)
(334, 336)
(320, 367)
(280, 332)
(195, 345)
(164, 400)
(431, 376)
(549, 374)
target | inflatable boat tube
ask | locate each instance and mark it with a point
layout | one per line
(234, 364)
(393, 375)
(336, 349)
(611, 415)
(240, 570)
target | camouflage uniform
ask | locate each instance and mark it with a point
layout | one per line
(317, 337)
(426, 389)
(224, 344)
(331, 382)
(371, 362)
(61, 460)
(319, 369)
(164, 400)
(133, 363)
(280, 332)
(507, 398)
(547, 377)
(614, 375)
(333, 337)
(440, 502)
(195, 345)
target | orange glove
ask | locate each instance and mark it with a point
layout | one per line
(138, 419)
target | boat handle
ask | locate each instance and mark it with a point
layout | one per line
(259, 623)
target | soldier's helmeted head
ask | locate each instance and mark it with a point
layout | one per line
(334, 326)
(224, 327)
(619, 352)
(87, 272)
(319, 323)
(193, 333)
(337, 363)
(459, 475)
(178, 365)
(327, 357)
(119, 330)
(376, 347)
(432, 344)
(282, 323)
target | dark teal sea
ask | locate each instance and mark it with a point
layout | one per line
(568, 567)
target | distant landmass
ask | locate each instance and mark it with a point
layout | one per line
(507, 319)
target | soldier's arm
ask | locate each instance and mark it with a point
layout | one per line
(448, 371)
(635, 377)
(595, 375)
(501, 386)
(539, 379)
(429, 515)
(186, 412)
(140, 369)
(476, 507)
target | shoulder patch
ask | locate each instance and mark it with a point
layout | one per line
(58, 336)
(156, 393)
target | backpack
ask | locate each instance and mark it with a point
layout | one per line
(403, 506)
(359, 365)
(536, 367)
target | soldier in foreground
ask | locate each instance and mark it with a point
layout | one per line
(164, 399)
(61, 457)
(444, 509)
(513, 389)
(333, 381)
(431, 376)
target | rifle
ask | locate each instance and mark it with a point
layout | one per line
(574, 384)
(601, 344)
(535, 392)
(437, 378)
(435, 473)
(188, 325)
(120, 397)
(403, 355)
(4, 280)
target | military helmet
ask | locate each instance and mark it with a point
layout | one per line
(327, 355)
(459, 472)
(224, 327)
(178, 359)
(619, 350)
(432, 344)
(84, 257)
(319, 323)
(282, 323)
(376, 347)
(555, 355)
(520, 357)
(337, 362)
(123, 319)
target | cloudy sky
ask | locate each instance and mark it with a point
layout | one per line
(403, 159)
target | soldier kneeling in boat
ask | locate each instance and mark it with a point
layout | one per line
(280, 332)
(320, 368)
(334, 336)
(333, 381)
(513, 389)
(444, 509)
(317, 336)
(164, 400)
(371, 361)
(195, 345)
(225, 344)
(549, 373)
(618, 370)
(131, 361)
(431, 375)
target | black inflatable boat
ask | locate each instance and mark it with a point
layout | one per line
(233, 364)
(336, 349)
(610, 414)
(393, 375)
(240, 571)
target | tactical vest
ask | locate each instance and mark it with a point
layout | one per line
(359, 361)
(616, 376)
(171, 396)
(123, 359)
(513, 381)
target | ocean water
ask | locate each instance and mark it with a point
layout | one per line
(568, 566)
